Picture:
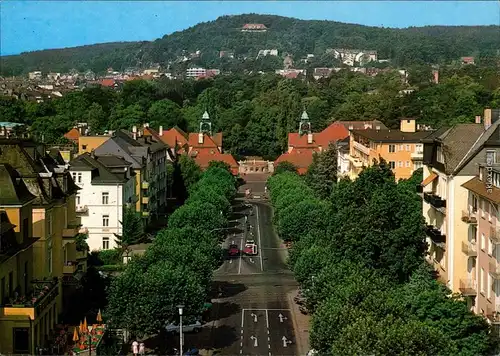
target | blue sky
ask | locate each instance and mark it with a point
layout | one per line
(34, 25)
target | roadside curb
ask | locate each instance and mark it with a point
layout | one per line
(301, 336)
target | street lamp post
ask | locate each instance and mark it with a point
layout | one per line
(180, 307)
(90, 339)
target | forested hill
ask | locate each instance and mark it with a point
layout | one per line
(432, 44)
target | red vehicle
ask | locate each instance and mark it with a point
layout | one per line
(233, 250)
(250, 248)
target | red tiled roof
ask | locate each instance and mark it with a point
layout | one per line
(301, 159)
(291, 75)
(107, 82)
(205, 156)
(217, 138)
(174, 137)
(73, 135)
(296, 140)
(334, 132)
(208, 141)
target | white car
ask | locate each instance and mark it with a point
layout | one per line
(186, 328)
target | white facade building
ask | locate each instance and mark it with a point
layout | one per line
(104, 193)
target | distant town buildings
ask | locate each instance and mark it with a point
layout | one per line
(254, 27)
(351, 57)
(267, 52)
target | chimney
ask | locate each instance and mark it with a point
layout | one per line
(92, 154)
(478, 119)
(487, 118)
(134, 132)
(309, 138)
(160, 131)
(200, 138)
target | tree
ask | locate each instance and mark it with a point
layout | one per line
(199, 215)
(285, 166)
(166, 113)
(132, 228)
(189, 170)
(322, 173)
(219, 164)
(96, 118)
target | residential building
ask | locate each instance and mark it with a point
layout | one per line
(87, 144)
(226, 54)
(401, 149)
(196, 72)
(254, 27)
(351, 57)
(176, 139)
(343, 162)
(467, 60)
(461, 190)
(205, 147)
(291, 73)
(107, 185)
(322, 73)
(267, 52)
(288, 62)
(147, 155)
(52, 221)
(36, 75)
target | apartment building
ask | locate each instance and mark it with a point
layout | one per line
(401, 149)
(107, 185)
(52, 220)
(461, 209)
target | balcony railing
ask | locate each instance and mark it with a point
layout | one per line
(468, 287)
(494, 268)
(495, 235)
(417, 155)
(34, 303)
(70, 267)
(469, 217)
(356, 162)
(434, 200)
(71, 232)
(361, 147)
(145, 185)
(435, 235)
(469, 248)
(82, 209)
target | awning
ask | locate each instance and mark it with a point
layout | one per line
(429, 179)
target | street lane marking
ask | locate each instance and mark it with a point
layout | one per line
(252, 309)
(254, 316)
(241, 249)
(255, 343)
(230, 261)
(267, 319)
(285, 341)
(242, 319)
(258, 238)
(282, 317)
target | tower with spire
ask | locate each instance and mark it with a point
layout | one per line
(305, 124)
(205, 127)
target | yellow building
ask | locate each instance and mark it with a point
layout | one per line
(52, 221)
(401, 149)
(28, 308)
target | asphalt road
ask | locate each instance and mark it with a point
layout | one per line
(252, 316)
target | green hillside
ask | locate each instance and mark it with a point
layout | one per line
(432, 44)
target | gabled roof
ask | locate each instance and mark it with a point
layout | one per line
(13, 191)
(335, 132)
(73, 134)
(175, 137)
(100, 173)
(297, 140)
(208, 142)
(117, 147)
(362, 125)
(301, 159)
(392, 136)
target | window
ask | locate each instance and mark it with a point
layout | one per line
(401, 148)
(489, 209)
(481, 281)
(439, 154)
(392, 148)
(105, 243)
(105, 220)
(408, 148)
(49, 222)
(73, 174)
(407, 164)
(490, 247)
(483, 242)
(392, 164)
(490, 157)
(351, 127)
(400, 164)
(483, 208)
(474, 204)
(481, 173)
(105, 198)
(79, 178)
(49, 258)
(84, 147)
(490, 284)
(77, 199)
(417, 165)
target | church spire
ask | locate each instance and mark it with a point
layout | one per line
(205, 124)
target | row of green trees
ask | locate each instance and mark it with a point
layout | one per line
(177, 268)
(255, 113)
(359, 255)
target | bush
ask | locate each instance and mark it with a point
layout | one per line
(109, 257)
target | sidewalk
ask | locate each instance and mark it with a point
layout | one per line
(301, 324)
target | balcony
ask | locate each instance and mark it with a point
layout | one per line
(356, 162)
(434, 200)
(493, 315)
(468, 287)
(469, 217)
(70, 232)
(417, 155)
(43, 293)
(436, 236)
(494, 269)
(145, 200)
(495, 235)
(145, 185)
(469, 248)
(70, 267)
(362, 148)
(82, 209)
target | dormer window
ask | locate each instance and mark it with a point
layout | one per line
(351, 127)
(439, 155)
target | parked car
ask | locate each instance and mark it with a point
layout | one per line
(303, 309)
(233, 250)
(192, 352)
(190, 326)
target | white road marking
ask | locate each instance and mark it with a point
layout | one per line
(241, 249)
(251, 260)
(242, 318)
(254, 316)
(282, 317)
(255, 343)
(230, 261)
(268, 339)
(258, 239)
(267, 309)
(285, 341)
(267, 319)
